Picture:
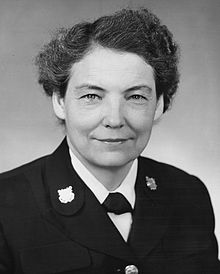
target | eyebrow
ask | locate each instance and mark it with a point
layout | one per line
(88, 86)
(134, 88)
(94, 87)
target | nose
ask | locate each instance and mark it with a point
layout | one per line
(113, 114)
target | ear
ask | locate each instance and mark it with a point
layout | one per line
(58, 106)
(159, 108)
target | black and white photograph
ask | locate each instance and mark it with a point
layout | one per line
(109, 137)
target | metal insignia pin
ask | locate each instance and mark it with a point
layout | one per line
(66, 195)
(151, 183)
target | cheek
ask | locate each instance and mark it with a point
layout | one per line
(81, 122)
(141, 122)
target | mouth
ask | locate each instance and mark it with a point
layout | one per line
(113, 141)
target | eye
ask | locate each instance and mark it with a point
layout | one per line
(91, 97)
(137, 97)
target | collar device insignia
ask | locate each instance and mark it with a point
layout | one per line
(151, 183)
(66, 195)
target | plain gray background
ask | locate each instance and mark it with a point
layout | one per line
(188, 136)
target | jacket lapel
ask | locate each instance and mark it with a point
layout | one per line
(83, 219)
(152, 210)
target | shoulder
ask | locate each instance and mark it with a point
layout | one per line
(184, 186)
(14, 184)
(37, 163)
(173, 174)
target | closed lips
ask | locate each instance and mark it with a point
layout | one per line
(113, 140)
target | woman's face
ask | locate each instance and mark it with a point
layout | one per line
(108, 108)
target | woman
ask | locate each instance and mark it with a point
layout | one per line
(95, 205)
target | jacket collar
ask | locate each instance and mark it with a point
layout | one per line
(153, 208)
(85, 221)
(59, 174)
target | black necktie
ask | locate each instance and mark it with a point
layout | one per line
(117, 203)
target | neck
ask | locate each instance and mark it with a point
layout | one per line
(110, 177)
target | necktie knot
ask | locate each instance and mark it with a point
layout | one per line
(117, 203)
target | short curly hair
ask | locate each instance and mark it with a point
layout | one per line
(136, 31)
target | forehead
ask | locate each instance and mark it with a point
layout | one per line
(109, 67)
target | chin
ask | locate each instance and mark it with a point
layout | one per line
(115, 160)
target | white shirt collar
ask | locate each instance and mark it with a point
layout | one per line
(98, 189)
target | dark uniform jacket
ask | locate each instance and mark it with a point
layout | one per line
(172, 230)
